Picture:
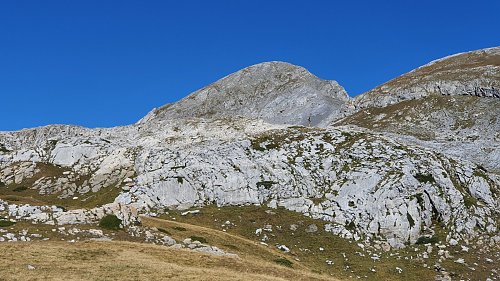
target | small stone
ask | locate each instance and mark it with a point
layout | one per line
(283, 248)
(385, 246)
(193, 213)
(429, 249)
(268, 228)
(30, 267)
(447, 255)
(127, 180)
(312, 228)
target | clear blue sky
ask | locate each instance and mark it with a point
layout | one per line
(105, 63)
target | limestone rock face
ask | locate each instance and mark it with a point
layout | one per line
(366, 185)
(276, 92)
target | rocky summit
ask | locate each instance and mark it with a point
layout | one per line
(276, 92)
(411, 160)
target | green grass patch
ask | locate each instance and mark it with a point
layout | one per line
(469, 201)
(162, 230)
(232, 247)
(284, 262)
(480, 172)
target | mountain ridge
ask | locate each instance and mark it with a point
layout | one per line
(447, 76)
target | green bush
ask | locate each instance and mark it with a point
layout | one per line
(199, 239)
(20, 188)
(5, 223)
(284, 262)
(427, 240)
(425, 178)
(410, 220)
(110, 222)
(162, 230)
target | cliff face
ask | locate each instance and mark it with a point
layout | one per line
(388, 172)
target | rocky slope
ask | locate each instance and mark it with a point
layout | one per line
(475, 73)
(234, 143)
(450, 105)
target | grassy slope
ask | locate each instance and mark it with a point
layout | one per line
(130, 261)
(126, 259)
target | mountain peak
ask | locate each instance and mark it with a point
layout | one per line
(277, 92)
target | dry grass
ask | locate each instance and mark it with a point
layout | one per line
(134, 260)
(93, 260)
(245, 248)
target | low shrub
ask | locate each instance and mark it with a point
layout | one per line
(179, 228)
(20, 188)
(162, 230)
(5, 223)
(199, 239)
(425, 178)
(110, 222)
(427, 240)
